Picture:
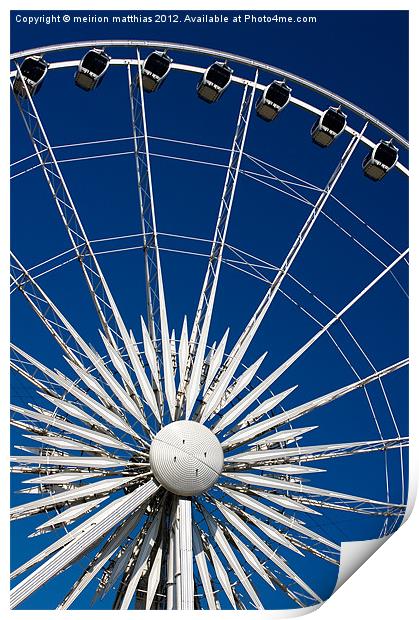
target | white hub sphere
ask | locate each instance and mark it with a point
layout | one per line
(186, 458)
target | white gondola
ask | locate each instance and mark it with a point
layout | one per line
(380, 160)
(328, 127)
(273, 99)
(91, 69)
(33, 70)
(214, 82)
(155, 70)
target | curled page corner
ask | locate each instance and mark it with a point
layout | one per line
(353, 555)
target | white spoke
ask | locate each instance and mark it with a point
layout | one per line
(201, 563)
(254, 539)
(82, 247)
(146, 201)
(87, 400)
(64, 477)
(48, 417)
(124, 557)
(82, 461)
(283, 436)
(30, 373)
(72, 410)
(171, 559)
(68, 516)
(88, 490)
(252, 431)
(276, 483)
(219, 537)
(65, 443)
(221, 574)
(339, 315)
(202, 322)
(44, 308)
(294, 504)
(92, 531)
(169, 381)
(263, 510)
(61, 321)
(93, 384)
(288, 469)
(100, 559)
(59, 327)
(349, 234)
(267, 405)
(216, 360)
(119, 365)
(137, 366)
(213, 398)
(154, 576)
(241, 383)
(150, 353)
(300, 453)
(183, 348)
(250, 557)
(140, 564)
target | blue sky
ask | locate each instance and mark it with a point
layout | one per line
(342, 52)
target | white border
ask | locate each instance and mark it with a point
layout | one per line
(386, 586)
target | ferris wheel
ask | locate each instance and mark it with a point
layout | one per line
(175, 472)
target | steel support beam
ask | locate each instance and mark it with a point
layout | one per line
(83, 542)
(216, 392)
(45, 309)
(82, 247)
(146, 199)
(199, 335)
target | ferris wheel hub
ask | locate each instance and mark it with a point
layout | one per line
(186, 458)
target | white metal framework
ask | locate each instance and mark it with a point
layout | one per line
(193, 470)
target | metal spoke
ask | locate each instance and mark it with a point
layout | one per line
(254, 430)
(273, 514)
(45, 309)
(142, 559)
(281, 369)
(214, 396)
(201, 326)
(85, 399)
(221, 540)
(65, 334)
(94, 277)
(110, 516)
(267, 482)
(146, 203)
(221, 574)
(304, 454)
(201, 562)
(237, 522)
(101, 558)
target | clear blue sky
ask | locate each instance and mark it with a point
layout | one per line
(361, 56)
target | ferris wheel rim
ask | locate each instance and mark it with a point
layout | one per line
(195, 49)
